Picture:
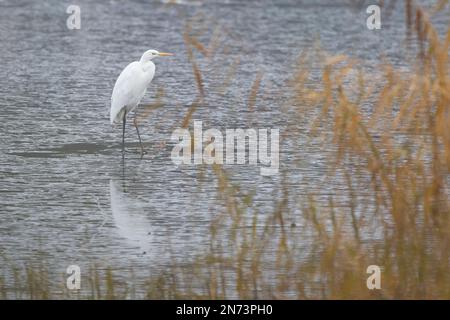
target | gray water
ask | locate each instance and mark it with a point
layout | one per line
(66, 196)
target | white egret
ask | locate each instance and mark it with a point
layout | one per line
(130, 88)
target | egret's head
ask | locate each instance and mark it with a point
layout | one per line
(150, 54)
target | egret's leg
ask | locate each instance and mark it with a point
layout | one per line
(139, 136)
(123, 132)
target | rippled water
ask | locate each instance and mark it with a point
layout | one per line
(66, 196)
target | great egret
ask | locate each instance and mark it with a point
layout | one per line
(130, 88)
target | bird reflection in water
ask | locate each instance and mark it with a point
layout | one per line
(128, 218)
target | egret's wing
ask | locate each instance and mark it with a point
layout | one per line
(123, 92)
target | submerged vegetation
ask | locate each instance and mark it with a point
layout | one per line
(388, 143)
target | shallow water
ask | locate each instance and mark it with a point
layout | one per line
(66, 195)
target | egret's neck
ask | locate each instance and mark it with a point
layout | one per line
(147, 65)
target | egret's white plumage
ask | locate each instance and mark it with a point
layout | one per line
(131, 86)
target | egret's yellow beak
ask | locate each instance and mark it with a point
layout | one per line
(165, 54)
